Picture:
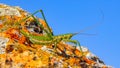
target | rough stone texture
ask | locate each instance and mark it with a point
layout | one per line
(8, 10)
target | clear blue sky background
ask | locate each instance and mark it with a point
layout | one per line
(69, 16)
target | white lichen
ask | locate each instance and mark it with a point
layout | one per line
(84, 49)
(3, 43)
(48, 50)
(9, 11)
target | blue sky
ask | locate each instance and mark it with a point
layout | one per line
(68, 16)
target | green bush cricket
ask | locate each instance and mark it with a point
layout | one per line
(49, 38)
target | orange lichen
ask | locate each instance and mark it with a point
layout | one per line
(88, 61)
(12, 33)
(43, 23)
(1, 25)
(78, 53)
(22, 40)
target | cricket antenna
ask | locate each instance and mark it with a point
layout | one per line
(91, 27)
(84, 34)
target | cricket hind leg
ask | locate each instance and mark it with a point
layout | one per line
(30, 24)
(76, 43)
(42, 27)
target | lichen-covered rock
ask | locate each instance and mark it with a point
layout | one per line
(17, 51)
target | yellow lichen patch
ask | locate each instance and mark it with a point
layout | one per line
(2, 34)
(33, 64)
(43, 23)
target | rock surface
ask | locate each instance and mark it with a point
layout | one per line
(17, 51)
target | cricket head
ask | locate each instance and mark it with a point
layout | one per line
(66, 36)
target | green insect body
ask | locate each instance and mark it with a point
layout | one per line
(49, 38)
(46, 39)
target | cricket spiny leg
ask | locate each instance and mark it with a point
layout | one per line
(46, 23)
(28, 17)
(76, 43)
(41, 26)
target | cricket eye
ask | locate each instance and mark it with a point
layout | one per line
(38, 30)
